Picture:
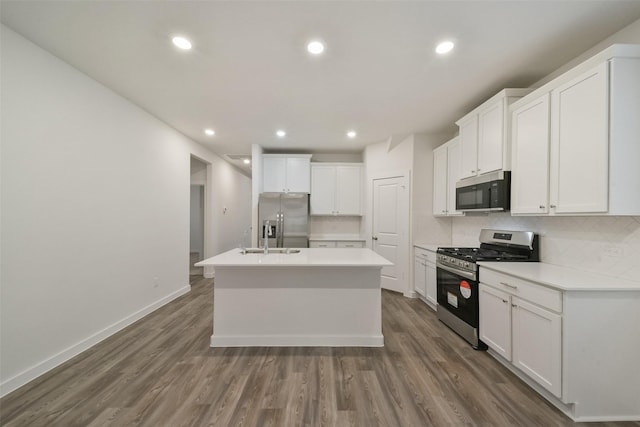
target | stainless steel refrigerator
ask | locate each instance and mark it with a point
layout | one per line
(288, 217)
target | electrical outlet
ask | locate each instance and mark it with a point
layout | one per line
(613, 251)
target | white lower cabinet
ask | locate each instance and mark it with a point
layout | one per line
(425, 275)
(420, 275)
(495, 320)
(336, 244)
(571, 335)
(537, 336)
(521, 324)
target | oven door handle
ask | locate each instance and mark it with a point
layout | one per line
(467, 274)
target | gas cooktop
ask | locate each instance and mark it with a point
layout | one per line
(482, 254)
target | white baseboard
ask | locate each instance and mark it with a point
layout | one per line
(34, 372)
(297, 341)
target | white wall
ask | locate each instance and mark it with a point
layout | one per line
(95, 211)
(629, 34)
(425, 227)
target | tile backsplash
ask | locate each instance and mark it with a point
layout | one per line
(605, 245)
(334, 225)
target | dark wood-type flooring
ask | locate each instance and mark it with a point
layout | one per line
(161, 371)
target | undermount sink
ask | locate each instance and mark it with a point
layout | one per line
(270, 251)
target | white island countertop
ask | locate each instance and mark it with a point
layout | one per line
(562, 278)
(308, 257)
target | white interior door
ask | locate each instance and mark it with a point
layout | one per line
(391, 229)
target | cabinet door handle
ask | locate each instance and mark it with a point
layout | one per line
(513, 305)
(375, 238)
(552, 206)
(541, 206)
(505, 301)
(508, 285)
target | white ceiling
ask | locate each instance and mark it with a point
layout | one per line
(249, 73)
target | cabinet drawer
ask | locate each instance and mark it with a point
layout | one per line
(529, 291)
(426, 255)
(322, 244)
(349, 244)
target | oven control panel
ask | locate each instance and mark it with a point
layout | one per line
(457, 263)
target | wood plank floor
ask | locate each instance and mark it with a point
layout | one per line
(162, 372)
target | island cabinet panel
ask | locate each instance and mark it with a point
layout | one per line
(306, 297)
(312, 306)
(578, 152)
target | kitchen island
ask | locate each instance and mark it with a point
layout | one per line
(315, 297)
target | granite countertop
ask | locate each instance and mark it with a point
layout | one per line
(562, 278)
(324, 257)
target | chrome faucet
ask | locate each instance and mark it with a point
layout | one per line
(267, 231)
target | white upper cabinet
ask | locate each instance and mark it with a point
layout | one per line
(575, 140)
(530, 175)
(469, 143)
(336, 189)
(579, 143)
(484, 138)
(446, 172)
(286, 173)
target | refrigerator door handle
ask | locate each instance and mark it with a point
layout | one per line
(281, 230)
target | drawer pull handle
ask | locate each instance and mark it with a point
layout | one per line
(508, 285)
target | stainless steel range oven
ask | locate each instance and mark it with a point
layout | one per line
(457, 277)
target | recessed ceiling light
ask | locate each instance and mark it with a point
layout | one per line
(444, 47)
(281, 133)
(315, 47)
(209, 132)
(181, 42)
(246, 161)
(351, 134)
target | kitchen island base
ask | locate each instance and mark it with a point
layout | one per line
(278, 306)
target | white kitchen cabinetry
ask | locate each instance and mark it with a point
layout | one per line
(336, 244)
(518, 322)
(446, 172)
(425, 275)
(567, 333)
(530, 174)
(336, 189)
(286, 173)
(575, 147)
(484, 137)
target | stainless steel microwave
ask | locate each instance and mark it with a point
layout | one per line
(484, 193)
